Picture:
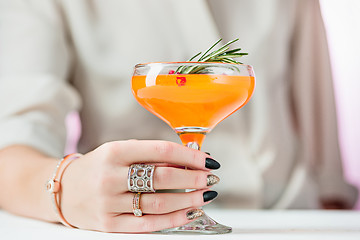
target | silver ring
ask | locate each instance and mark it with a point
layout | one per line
(140, 178)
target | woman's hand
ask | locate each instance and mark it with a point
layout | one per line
(95, 194)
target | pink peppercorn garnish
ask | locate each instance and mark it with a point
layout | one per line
(171, 72)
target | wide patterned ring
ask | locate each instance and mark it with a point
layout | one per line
(140, 178)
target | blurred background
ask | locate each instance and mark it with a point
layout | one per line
(342, 22)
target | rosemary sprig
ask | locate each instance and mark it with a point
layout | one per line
(223, 54)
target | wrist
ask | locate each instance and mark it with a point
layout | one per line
(53, 186)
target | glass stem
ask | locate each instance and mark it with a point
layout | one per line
(192, 140)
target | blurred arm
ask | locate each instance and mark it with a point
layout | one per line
(23, 174)
(34, 101)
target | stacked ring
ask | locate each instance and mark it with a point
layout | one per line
(136, 205)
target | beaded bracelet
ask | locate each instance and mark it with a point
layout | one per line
(53, 186)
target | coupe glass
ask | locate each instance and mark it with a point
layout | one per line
(192, 104)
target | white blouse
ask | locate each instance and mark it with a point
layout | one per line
(279, 151)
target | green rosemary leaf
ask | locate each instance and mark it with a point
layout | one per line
(189, 69)
(192, 58)
(179, 69)
(231, 42)
(233, 62)
(235, 55)
(215, 53)
(233, 51)
(198, 69)
(229, 60)
(208, 50)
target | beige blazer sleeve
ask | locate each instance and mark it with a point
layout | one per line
(34, 65)
(314, 105)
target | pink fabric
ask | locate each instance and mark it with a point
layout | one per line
(73, 125)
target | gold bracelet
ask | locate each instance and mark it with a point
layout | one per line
(53, 186)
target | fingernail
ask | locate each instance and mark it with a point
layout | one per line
(211, 164)
(208, 153)
(194, 213)
(212, 179)
(209, 195)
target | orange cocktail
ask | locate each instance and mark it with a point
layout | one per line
(192, 104)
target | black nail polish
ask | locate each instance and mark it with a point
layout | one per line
(211, 164)
(208, 153)
(209, 195)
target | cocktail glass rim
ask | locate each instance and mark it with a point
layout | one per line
(202, 63)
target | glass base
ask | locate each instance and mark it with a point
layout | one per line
(201, 225)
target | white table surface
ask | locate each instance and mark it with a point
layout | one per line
(286, 224)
